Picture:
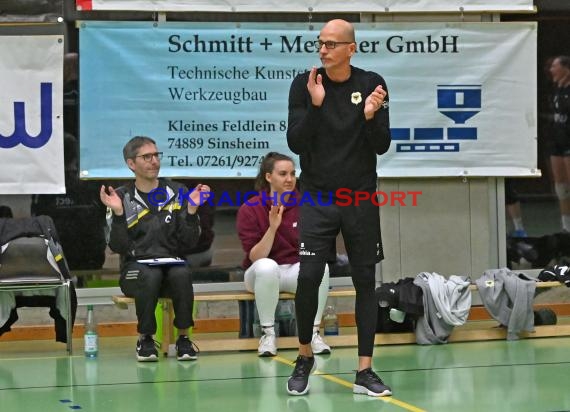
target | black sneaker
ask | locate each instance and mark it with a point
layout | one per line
(559, 273)
(298, 383)
(146, 349)
(186, 349)
(368, 383)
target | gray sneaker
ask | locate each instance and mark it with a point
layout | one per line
(368, 383)
(298, 383)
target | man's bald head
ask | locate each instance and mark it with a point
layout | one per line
(340, 27)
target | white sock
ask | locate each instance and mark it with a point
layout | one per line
(268, 330)
(518, 223)
(316, 328)
(566, 222)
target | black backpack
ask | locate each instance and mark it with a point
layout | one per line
(34, 242)
(34, 227)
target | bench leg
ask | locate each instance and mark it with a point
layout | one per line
(69, 321)
(167, 327)
(246, 315)
(171, 337)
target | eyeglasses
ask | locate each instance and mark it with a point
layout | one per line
(147, 157)
(330, 44)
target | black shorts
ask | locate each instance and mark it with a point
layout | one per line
(319, 226)
(560, 146)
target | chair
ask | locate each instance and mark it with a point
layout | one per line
(27, 263)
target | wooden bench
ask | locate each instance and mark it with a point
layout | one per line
(342, 340)
(168, 312)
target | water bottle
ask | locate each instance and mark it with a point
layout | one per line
(331, 321)
(91, 338)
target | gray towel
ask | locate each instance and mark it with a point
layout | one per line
(508, 297)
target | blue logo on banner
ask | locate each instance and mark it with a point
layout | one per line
(20, 134)
(458, 102)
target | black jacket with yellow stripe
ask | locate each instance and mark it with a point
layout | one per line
(144, 232)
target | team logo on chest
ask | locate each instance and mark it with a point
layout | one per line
(355, 97)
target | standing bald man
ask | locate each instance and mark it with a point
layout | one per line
(338, 124)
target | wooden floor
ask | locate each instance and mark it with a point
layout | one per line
(527, 375)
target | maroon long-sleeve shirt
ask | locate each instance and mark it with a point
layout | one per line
(253, 222)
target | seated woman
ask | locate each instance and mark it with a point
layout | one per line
(267, 228)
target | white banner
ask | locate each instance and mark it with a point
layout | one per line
(214, 95)
(315, 6)
(31, 115)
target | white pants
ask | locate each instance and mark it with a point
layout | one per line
(265, 278)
